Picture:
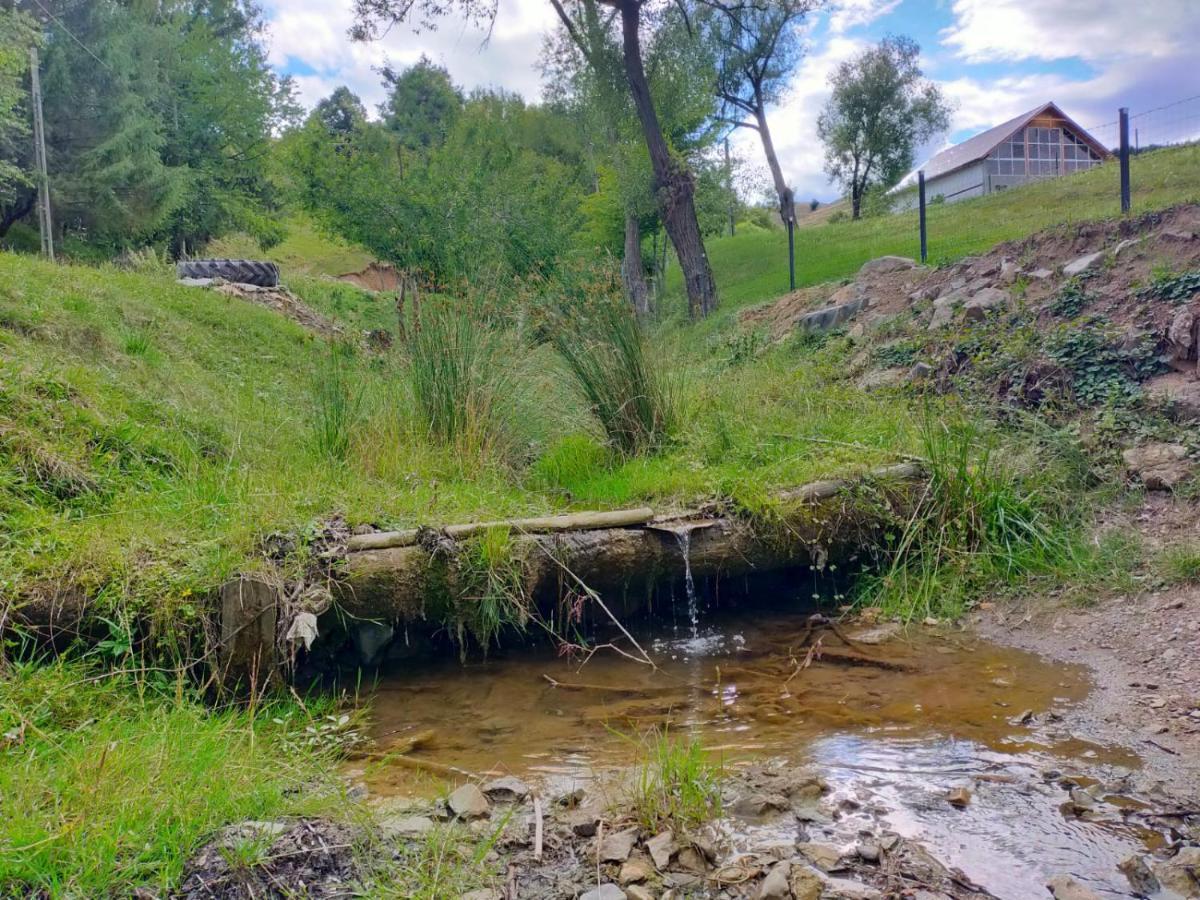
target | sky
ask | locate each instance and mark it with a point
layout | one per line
(993, 59)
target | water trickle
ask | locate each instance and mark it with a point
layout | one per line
(684, 536)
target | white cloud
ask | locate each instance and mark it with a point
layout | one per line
(1091, 30)
(847, 14)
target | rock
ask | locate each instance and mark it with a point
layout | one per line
(1159, 466)
(617, 845)
(506, 788)
(959, 796)
(1178, 393)
(1040, 274)
(825, 857)
(1179, 235)
(468, 802)
(405, 826)
(944, 307)
(692, 861)
(880, 634)
(777, 885)
(1009, 272)
(571, 798)
(920, 371)
(1064, 887)
(1025, 717)
(633, 870)
(583, 822)
(371, 639)
(756, 806)
(1082, 264)
(882, 378)
(806, 884)
(1182, 335)
(604, 892)
(885, 264)
(1180, 873)
(845, 889)
(822, 320)
(1125, 245)
(984, 302)
(637, 892)
(803, 786)
(869, 851)
(1081, 800)
(481, 894)
(1140, 878)
(847, 293)
(662, 848)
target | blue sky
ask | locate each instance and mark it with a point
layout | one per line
(993, 59)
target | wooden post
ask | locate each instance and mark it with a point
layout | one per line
(249, 616)
(45, 226)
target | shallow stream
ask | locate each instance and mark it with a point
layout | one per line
(959, 712)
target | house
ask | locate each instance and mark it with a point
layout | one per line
(1042, 143)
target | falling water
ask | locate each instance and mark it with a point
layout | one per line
(684, 536)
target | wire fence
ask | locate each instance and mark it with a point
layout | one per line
(1045, 174)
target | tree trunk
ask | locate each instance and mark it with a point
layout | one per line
(631, 267)
(673, 184)
(787, 201)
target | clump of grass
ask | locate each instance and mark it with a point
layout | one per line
(607, 354)
(448, 861)
(977, 523)
(490, 585)
(337, 403)
(676, 784)
(1180, 563)
(460, 379)
(108, 784)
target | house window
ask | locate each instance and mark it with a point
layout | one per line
(1040, 152)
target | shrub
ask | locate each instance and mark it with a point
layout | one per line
(606, 352)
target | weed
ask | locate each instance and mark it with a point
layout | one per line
(1173, 288)
(1180, 564)
(337, 403)
(1102, 370)
(606, 352)
(136, 343)
(490, 587)
(676, 784)
(1070, 300)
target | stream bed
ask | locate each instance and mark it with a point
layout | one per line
(951, 711)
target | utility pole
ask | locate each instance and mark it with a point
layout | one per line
(39, 152)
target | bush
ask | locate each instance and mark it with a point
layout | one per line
(606, 353)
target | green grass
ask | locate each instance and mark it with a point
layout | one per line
(305, 250)
(1180, 564)
(752, 267)
(110, 782)
(676, 785)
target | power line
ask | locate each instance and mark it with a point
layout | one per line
(71, 35)
(1166, 106)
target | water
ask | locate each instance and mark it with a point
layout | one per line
(684, 536)
(891, 742)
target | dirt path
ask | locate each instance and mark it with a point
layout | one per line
(1143, 650)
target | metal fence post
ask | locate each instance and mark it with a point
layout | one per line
(921, 207)
(1124, 113)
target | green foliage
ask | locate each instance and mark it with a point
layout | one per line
(337, 403)
(490, 592)
(108, 784)
(1102, 369)
(422, 104)
(18, 32)
(607, 353)
(460, 379)
(896, 354)
(1180, 564)
(1172, 287)
(1070, 299)
(675, 786)
(977, 523)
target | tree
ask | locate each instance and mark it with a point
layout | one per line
(341, 112)
(422, 104)
(757, 47)
(17, 34)
(673, 182)
(880, 110)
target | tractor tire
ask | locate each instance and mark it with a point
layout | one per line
(239, 271)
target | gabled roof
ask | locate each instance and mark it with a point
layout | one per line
(976, 148)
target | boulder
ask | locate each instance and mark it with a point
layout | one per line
(983, 302)
(1182, 336)
(1179, 393)
(885, 264)
(634, 870)
(806, 883)
(1180, 873)
(944, 307)
(1082, 264)
(777, 884)
(1041, 274)
(1140, 878)
(845, 889)
(637, 892)
(756, 806)
(1064, 887)
(617, 845)
(830, 317)
(468, 802)
(506, 788)
(825, 857)
(1159, 466)
(1009, 271)
(1179, 235)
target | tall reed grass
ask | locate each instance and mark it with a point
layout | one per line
(338, 390)
(608, 355)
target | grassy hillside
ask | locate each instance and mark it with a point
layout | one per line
(752, 266)
(304, 251)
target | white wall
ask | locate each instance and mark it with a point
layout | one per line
(969, 181)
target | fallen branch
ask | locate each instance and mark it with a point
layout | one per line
(601, 688)
(854, 659)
